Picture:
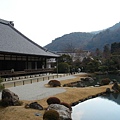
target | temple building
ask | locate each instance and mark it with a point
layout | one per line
(19, 55)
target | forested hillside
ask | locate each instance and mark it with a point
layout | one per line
(75, 40)
(86, 41)
(103, 38)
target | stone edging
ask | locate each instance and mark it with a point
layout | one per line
(89, 97)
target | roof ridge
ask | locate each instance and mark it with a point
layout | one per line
(36, 51)
(12, 24)
(4, 21)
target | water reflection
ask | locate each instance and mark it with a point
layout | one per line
(96, 80)
(113, 97)
(100, 108)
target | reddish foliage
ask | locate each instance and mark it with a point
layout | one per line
(53, 100)
(51, 115)
(105, 81)
(54, 83)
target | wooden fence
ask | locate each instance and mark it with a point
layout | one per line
(29, 80)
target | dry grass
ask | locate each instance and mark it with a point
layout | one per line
(19, 113)
(71, 95)
(78, 77)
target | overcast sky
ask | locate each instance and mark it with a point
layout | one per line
(44, 20)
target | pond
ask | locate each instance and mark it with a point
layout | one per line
(110, 76)
(97, 80)
(100, 108)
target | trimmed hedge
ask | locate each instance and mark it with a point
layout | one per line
(105, 81)
(51, 115)
(53, 100)
(54, 83)
(1, 86)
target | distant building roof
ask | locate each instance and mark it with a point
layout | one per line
(13, 41)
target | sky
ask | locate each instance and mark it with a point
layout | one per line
(44, 20)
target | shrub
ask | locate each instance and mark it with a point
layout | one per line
(53, 100)
(1, 86)
(105, 81)
(63, 67)
(0, 102)
(54, 83)
(66, 105)
(51, 115)
(1, 80)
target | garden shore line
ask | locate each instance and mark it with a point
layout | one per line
(69, 95)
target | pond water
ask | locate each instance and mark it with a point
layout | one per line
(100, 108)
(98, 79)
(110, 76)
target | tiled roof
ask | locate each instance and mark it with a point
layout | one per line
(13, 41)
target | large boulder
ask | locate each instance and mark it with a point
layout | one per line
(9, 98)
(66, 105)
(87, 79)
(64, 112)
(35, 105)
(116, 87)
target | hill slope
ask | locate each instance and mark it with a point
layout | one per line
(108, 36)
(88, 41)
(76, 39)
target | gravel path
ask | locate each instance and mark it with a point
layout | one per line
(37, 91)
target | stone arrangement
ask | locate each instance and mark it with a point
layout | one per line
(64, 112)
(60, 109)
(9, 98)
(34, 105)
(64, 109)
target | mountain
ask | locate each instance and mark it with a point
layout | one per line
(86, 41)
(76, 40)
(107, 36)
(115, 27)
